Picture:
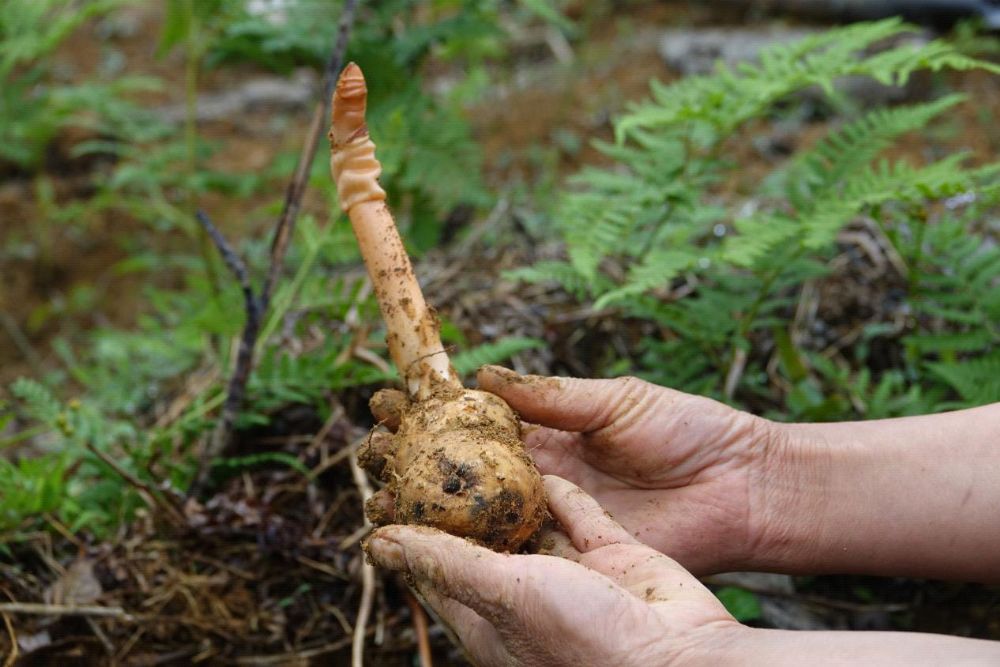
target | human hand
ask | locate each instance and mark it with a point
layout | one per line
(686, 475)
(620, 603)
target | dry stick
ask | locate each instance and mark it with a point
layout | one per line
(420, 629)
(39, 609)
(14, 648)
(367, 570)
(294, 656)
(414, 338)
(147, 492)
(256, 306)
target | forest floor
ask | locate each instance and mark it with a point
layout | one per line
(255, 567)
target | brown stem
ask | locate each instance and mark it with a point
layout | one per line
(257, 305)
(420, 630)
(413, 331)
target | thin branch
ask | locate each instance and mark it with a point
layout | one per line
(297, 186)
(256, 305)
(14, 648)
(367, 569)
(244, 356)
(147, 492)
(233, 261)
(39, 609)
(294, 656)
(420, 630)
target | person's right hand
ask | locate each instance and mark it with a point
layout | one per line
(686, 475)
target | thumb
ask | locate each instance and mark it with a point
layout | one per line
(570, 404)
(611, 550)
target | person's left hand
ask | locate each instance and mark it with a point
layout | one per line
(619, 603)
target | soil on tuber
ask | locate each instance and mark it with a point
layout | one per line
(455, 460)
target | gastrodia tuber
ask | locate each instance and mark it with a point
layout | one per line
(456, 460)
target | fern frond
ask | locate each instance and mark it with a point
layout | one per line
(732, 95)
(950, 342)
(606, 221)
(562, 274)
(39, 402)
(657, 269)
(854, 146)
(492, 353)
(757, 237)
(976, 380)
(887, 181)
(236, 464)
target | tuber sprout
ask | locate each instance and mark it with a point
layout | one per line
(456, 460)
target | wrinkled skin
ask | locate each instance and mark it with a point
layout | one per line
(684, 474)
(600, 598)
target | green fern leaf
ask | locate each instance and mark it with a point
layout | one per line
(39, 401)
(976, 380)
(841, 154)
(656, 270)
(562, 274)
(757, 237)
(491, 353)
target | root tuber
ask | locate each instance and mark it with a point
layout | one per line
(456, 460)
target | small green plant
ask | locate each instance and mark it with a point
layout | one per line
(171, 359)
(430, 162)
(33, 108)
(122, 375)
(653, 226)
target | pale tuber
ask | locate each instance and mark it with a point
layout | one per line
(456, 460)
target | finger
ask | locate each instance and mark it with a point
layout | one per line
(381, 508)
(614, 552)
(520, 596)
(387, 407)
(586, 523)
(374, 452)
(479, 638)
(648, 574)
(557, 543)
(474, 576)
(570, 404)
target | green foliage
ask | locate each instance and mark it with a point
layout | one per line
(64, 480)
(742, 604)
(34, 109)
(653, 225)
(148, 395)
(32, 486)
(714, 106)
(430, 164)
(468, 361)
(238, 463)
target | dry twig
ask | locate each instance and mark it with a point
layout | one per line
(41, 609)
(14, 649)
(367, 569)
(420, 629)
(256, 304)
(150, 495)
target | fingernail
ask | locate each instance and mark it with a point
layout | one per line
(386, 553)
